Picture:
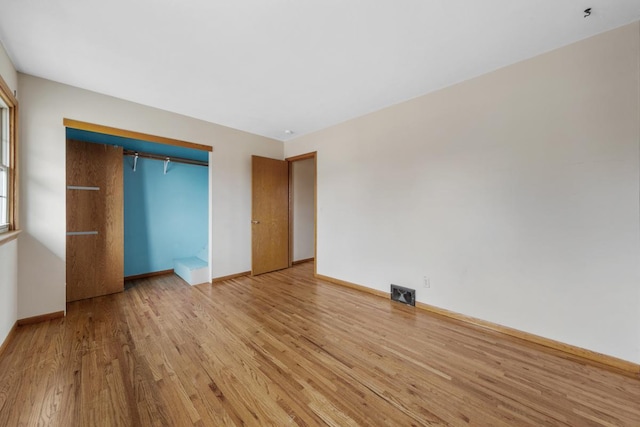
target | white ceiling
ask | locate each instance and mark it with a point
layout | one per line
(266, 66)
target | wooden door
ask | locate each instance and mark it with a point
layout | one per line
(270, 215)
(95, 222)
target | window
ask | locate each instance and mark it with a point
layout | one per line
(4, 167)
(7, 159)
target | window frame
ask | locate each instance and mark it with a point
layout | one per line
(11, 102)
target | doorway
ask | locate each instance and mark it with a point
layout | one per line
(302, 209)
(275, 206)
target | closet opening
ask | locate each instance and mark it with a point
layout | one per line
(166, 203)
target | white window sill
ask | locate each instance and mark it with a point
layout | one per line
(9, 236)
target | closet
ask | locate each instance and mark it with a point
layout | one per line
(133, 207)
(165, 213)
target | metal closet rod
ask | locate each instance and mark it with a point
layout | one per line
(159, 157)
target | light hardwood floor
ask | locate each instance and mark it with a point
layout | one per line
(286, 349)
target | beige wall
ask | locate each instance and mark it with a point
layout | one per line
(8, 251)
(303, 177)
(7, 70)
(8, 287)
(516, 193)
(44, 104)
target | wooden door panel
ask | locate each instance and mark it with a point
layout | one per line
(269, 253)
(91, 216)
(270, 215)
(85, 270)
(95, 261)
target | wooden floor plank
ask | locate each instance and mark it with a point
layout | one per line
(287, 349)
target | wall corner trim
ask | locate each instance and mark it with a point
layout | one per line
(41, 318)
(595, 358)
(304, 156)
(92, 127)
(302, 261)
(230, 276)
(353, 286)
(10, 336)
(588, 356)
(148, 275)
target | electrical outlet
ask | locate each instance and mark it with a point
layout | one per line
(427, 282)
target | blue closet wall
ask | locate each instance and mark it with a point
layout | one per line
(165, 216)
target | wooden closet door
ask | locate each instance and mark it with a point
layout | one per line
(95, 222)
